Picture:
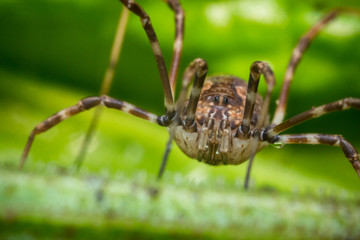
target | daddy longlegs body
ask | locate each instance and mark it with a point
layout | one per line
(223, 120)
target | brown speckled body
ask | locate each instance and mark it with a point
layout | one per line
(219, 114)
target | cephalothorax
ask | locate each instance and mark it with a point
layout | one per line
(223, 120)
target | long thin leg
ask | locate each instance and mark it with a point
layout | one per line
(201, 71)
(187, 79)
(315, 112)
(177, 50)
(271, 134)
(86, 104)
(178, 43)
(107, 82)
(115, 52)
(145, 20)
(256, 69)
(333, 140)
(197, 68)
(294, 61)
(270, 83)
(248, 170)
(165, 157)
(296, 56)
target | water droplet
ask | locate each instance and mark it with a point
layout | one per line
(278, 144)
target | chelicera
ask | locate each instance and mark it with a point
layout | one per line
(220, 119)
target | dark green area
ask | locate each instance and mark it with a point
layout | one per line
(54, 53)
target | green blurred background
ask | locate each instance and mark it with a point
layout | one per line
(53, 53)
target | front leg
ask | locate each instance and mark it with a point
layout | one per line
(256, 69)
(150, 33)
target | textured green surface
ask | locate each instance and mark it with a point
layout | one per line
(98, 206)
(54, 53)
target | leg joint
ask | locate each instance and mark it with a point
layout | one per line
(348, 149)
(163, 120)
(89, 102)
(269, 135)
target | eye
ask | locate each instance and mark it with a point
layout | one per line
(216, 99)
(225, 100)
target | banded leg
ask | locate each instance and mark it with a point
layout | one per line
(315, 112)
(256, 69)
(86, 104)
(178, 43)
(296, 56)
(187, 78)
(332, 140)
(201, 71)
(175, 62)
(150, 32)
(198, 68)
(270, 83)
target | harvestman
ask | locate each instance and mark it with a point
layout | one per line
(225, 120)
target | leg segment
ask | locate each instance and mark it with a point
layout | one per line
(271, 134)
(315, 112)
(333, 140)
(150, 32)
(165, 157)
(179, 39)
(270, 82)
(177, 50)
(115, 52)
(201, 71)
(86, 104)
(187, 79)
(294, 61)
(256, 69)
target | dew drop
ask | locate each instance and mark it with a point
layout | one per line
(278, 144)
